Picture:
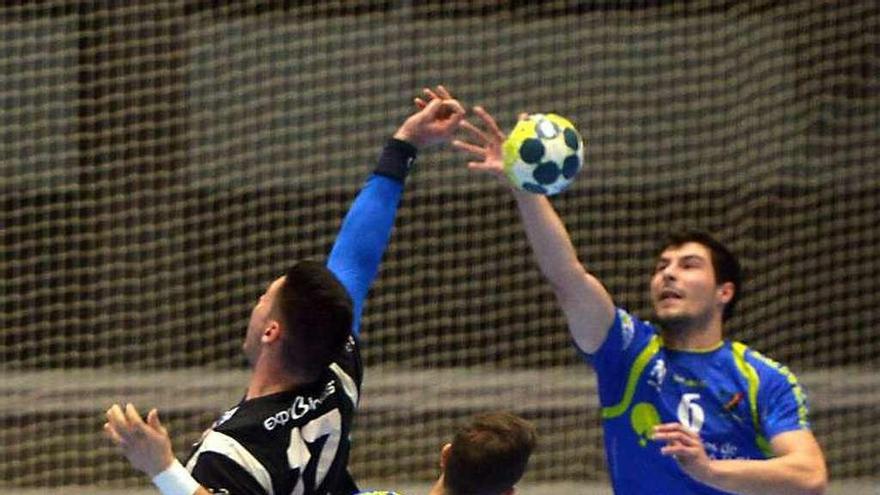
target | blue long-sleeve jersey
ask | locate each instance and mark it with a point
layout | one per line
(361, 242)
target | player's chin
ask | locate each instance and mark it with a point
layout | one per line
(248, 353)
(671, 319)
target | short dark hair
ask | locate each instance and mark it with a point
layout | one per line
(724, 263)
(489, 455)
(315, 310)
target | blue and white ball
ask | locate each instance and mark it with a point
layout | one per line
(543, 154)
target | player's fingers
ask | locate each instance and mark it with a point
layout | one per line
(677, 452)
(444, 111)
(483, 168)
(420, 103)
(133, 416)
(447, 112)
(476, 132)
(117, 437)
(670, 436)
(431, 94)
(680, 428)
(111, 433)
(673, 425)
(479, 166)
(443, 92)
(522, 116)
(690, 438)
(493, 126)
(154, 421)
(468, 148)
(666, 434)
(455, 106)
(451, 123)
(433, 107)
(116, 417)
(670, 427)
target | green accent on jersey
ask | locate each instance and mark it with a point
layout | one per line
(644, 418)
(795, 386)
(634, 373)
(748, 371)
(688, 382)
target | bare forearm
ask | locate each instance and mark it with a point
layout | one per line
(548, 237)
(787, 475)
(588, 307)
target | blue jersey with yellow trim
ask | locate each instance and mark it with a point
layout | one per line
(735, 398)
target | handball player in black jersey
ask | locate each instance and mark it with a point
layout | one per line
(290, 433)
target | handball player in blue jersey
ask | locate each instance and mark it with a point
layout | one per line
(290, 432)
(683, 410)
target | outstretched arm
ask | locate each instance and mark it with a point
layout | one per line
(366, 229)
(797, 468)
(588, 307)
(354, 259)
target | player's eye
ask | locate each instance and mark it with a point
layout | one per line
(691, 264)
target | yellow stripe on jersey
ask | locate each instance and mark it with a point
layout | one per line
(798, 392)
(634, 373)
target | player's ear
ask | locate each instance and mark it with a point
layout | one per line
(725, 292)
(271, 332)
(444, 454)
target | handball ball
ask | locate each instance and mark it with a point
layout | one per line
(543, 154)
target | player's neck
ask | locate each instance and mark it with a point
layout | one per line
(268, 379)
(437, 489)
(701, 337)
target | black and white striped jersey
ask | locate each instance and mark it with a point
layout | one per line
(297, 442)
(289, 443)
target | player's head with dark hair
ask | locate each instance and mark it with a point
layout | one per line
(308, 314)
(725, 268)
(316, 313)
(488, 456)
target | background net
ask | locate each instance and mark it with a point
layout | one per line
(162, 161)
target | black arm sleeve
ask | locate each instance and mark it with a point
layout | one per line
(396, 159)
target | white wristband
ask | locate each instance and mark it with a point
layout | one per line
(176, 480)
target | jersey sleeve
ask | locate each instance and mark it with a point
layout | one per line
(782, 402)
(626, 339)
(218, 474)
(363, 237)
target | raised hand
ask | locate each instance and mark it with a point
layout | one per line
(441, 93)
(436, 120)
(146, 445)
(486, 145)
